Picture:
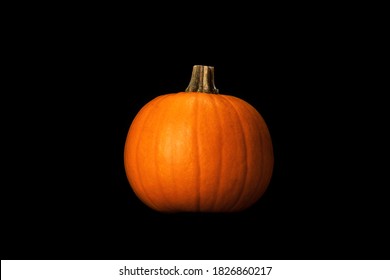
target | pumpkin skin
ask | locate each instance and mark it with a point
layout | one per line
(198, 152)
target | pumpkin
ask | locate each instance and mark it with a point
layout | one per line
(198, 150)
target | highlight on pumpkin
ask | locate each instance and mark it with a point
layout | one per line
(198, 150)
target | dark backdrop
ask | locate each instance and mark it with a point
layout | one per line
(77, 87)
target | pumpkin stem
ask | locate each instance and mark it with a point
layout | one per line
(202, 80)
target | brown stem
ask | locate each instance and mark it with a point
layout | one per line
(202, 80)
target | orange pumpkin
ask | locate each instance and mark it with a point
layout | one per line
(198, 151)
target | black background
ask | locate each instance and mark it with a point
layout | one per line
(78, 82)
